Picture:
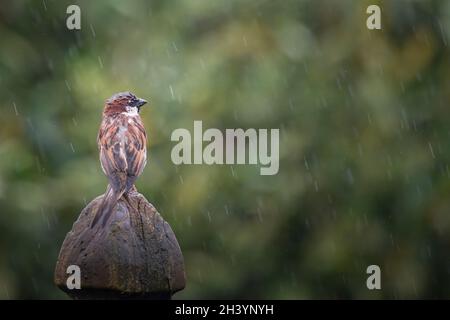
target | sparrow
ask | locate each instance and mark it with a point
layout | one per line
(122, 143)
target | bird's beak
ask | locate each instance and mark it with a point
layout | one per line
(140, 102)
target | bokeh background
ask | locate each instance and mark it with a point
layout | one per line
(364, 140)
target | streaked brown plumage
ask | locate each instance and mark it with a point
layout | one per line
(123, 152)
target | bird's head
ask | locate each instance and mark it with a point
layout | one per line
(123, 102)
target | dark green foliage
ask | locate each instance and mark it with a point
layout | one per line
(364, 141)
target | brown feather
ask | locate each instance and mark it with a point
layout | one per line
(123, 153)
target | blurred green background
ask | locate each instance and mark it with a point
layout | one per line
(364, 140)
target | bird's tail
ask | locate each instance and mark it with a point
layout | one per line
(106, 207)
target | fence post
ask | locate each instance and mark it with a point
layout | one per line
(135, 256)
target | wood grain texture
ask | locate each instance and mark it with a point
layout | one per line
(136, 256)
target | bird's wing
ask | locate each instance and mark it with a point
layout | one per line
(136, 148)
(111, 142)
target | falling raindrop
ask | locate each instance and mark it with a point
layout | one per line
(174, 46)
(443, 35)
(306, 163)
(369, 118)
(92, 30)
(15, 108)
(258, 210)
(232, 172)
(244, 38)
(431, 150)
(291, 105)
(100, 62)
(172, 94)
(189, 221)
(350, 176)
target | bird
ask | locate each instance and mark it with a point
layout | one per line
(122, 145)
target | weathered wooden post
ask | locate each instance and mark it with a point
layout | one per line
(136, 255)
